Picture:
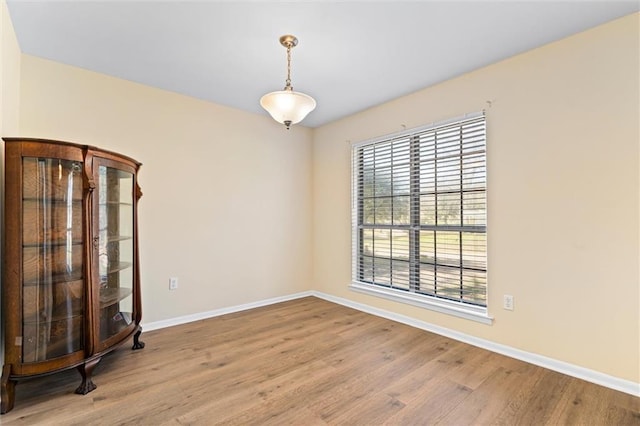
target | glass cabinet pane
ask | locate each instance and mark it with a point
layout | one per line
(115, 250)
(52, 258)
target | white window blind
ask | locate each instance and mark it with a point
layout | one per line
(419, 212)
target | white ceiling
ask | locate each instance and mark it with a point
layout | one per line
(351, 55)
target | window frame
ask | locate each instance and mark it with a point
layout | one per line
(411, 295)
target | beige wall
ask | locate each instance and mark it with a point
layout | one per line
(226, 205)
(563, 193)
(9, 75)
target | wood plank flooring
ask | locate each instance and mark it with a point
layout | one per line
(312, 362)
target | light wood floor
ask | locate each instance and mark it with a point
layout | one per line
(312, 362)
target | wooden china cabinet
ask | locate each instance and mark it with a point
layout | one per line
(71, 276)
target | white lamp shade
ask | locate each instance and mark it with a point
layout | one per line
(288, 106)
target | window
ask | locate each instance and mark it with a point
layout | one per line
(419, 216)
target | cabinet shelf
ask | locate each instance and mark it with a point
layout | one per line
(111, 296)
(54, 279)
(53, 200)
(117, 267)
(115, 203)
(55, 318)
(121, 174)
(59, 301)
(117, 238)
(49, 244)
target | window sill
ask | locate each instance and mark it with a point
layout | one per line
(473, 313)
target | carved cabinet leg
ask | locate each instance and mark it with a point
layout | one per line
(86, 370)
(7, 392)
(137, 344)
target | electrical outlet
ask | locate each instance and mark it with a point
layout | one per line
(508, 302)
(173, 283)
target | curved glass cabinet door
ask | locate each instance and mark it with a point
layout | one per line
(52, 259)
(115, 250)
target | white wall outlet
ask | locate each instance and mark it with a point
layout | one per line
(507, 302)
(173, 283)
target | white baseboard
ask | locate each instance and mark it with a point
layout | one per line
(592, 376)
(155, 325)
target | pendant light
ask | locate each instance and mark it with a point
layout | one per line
(286, 106)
